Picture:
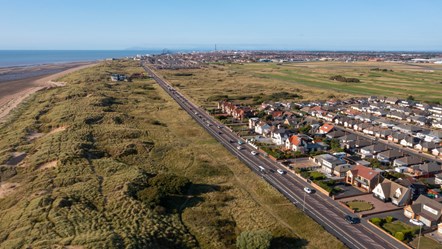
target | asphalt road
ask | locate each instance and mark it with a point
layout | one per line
(318, 206)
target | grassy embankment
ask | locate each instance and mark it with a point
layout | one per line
(87, 141)
(254, 82)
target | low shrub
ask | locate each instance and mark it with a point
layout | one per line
(400, 236)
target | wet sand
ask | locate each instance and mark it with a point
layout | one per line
(28, 80)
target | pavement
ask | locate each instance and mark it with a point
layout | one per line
(318, 206)
(379, 206)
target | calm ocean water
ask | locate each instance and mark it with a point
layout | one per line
(9, 58)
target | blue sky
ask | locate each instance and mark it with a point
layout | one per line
(241, 24)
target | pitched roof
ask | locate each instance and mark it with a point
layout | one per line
(390, 188)
(327, 127)
(364, 172)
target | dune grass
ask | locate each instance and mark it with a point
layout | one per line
(98, 137)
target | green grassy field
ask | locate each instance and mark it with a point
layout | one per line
(88, 142)
(256, 82)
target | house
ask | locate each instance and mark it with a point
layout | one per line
(335, 134)
(391, 191)
(383, 133)
(438, 179)
(426, 210)
(372, 150)
(426, 146)
(408, 129)
(363, 177)
(280, 135)
(416, 188)
(396, 137)
(341, 170)
(391, 100)
(410, 141)
(437, 152)
(429, 169)
(262, 128)
(406, 161)
(328, 162)
(326, 128)
(386, 157)
(253, 122)
(297, 143)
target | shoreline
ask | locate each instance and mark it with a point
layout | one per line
(13, 92)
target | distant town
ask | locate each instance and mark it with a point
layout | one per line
(169, 60)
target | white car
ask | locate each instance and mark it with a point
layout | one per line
(254, 153)
(280, 171)
(308, 190)
(239, 147)
(416, 222)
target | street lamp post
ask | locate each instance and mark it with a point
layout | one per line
(303, 208)
(419, 240)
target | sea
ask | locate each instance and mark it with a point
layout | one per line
(16, 58)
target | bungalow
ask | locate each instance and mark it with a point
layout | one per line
(335, 134)
(350, 123)
(436, 124)
(429, 169)
(328, 162)
(391, 100)
(326, 128)
(388, 156)
(386, 123)
(427, 210)
(383, 133)
(391, 191)
(396, 137)
(410, 141)
(407, 161)
(437, 152)
(416, 188)
(396, 115)
(418, 120)
(363, 177)
(372, 150)
(361, 126)
(408, 129)
(356, 144)
(438, 179)
(426, 146)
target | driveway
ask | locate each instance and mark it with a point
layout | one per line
(348, 190)
(379, 206)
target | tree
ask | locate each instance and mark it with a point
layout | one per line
(254, 240)
(335, 145)
(410, 98)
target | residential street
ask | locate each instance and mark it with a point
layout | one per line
(320, 207)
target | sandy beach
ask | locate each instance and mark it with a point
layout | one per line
(28, 80)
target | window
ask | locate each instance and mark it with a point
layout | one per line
(398, 193)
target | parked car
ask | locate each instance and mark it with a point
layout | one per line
(239, 147)
(254, 153)
(416, 222)
(280, 171)
(308, 190)
(352, 220)
(231, 141)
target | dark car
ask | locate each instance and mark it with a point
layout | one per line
(352, 220)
